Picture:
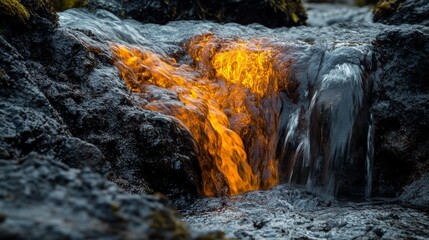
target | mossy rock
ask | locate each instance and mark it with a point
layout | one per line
(14, 9)
(164, 226)
(386, 8)
(362, 3)
(22, 15)
(321, 1)
(61, 5)
(397, 12)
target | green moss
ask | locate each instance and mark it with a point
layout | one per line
(61, 5)
(212, 236)
(164, 226)
(386, 8)
(362, 3)
(14, 9)
(293, 9)
(4, 82)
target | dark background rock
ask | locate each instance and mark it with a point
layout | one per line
(271, 13)
(401, 108)
(28, 121)
(397, 12)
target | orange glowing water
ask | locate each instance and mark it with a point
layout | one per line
(227, 99)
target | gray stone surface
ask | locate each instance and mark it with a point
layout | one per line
(417, 192)
(400, 108)
(41, 198)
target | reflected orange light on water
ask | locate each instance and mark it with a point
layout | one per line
(224, 99)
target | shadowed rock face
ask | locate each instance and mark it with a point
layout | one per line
(400, 108)
(271, 13)
(397, 12)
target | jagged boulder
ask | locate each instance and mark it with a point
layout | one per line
(400, 108)
(397, 12)
(417, 193)
(271, 13)
(41, 198)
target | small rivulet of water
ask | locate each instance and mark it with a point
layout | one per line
(264, 106)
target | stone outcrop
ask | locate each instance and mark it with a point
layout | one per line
(397, 12)
(400, 108)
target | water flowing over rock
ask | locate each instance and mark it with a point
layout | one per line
(322, 112)
(329, 14)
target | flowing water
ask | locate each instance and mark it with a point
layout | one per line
(264, 107)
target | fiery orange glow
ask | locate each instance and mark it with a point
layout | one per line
(227, 99)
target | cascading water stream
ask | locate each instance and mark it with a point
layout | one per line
(263, 106)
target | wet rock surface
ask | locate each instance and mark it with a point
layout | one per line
(292, 213)
(417, 193)
(400, 108)
(43, 198)
(273, 13)
(398, 12)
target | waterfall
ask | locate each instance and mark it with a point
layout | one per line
(264, 106)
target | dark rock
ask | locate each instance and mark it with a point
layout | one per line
(28, 122)
(272, 13)
(400, 108)
(61, 5)
(43, 198)
(417, 192)
(114, 6)
(397, 12)
(365, 2)
(26, 15)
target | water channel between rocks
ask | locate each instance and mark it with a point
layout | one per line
(306, 123)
